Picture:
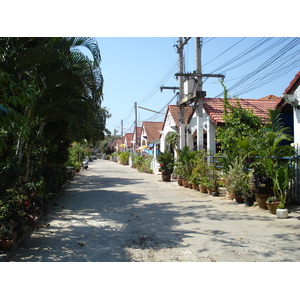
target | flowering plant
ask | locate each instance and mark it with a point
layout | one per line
(166, 162)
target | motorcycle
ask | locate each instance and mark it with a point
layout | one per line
(85, 165)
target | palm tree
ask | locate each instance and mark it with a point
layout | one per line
(63, 93)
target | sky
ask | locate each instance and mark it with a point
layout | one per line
(134, 69)
(137, 45)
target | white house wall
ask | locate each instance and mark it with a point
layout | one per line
(169, 126)
(297, 120)
(205, 124)
(143, 140)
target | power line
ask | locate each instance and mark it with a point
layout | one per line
(157, 115)
(252, 48)
(267, 64)
(256, 55)
(163, 80)
(224, 52)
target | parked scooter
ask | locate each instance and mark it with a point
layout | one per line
(85, 165)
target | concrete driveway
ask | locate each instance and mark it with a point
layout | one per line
(113, 213)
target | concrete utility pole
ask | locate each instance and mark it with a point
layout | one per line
(135, 123)
(199, 94)
(199, 88)
(122, 130)
(181, 70)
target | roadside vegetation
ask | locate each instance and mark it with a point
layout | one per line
(53, 95)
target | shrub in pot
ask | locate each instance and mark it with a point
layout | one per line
(124, 157)
(237, 180)
(281, 190)
(272, 204)
(166, 162)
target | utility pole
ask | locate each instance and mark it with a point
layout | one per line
(199, 88)
(135, 123)
(122, 130)
(179, 47)
(181, 108)
(198, 96)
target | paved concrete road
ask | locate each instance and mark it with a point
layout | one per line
(113, 213)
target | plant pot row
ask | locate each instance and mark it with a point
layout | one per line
(261, 200)
(203, 189)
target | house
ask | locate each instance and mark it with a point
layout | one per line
(128, 139)
(290, 108)
(172, 123)
(137, 137)
(117, 145)
(150, 138)
(212, 118)
(150, 132)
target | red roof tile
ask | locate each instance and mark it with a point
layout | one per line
(128, 139)
(293, 84)
(175, 113)
(260, 107)
(151, 129)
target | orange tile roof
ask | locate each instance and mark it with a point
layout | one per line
(128, 139)
(260, 107)
(290, 90)
(151, 129)
(293, 84)
(175, 113)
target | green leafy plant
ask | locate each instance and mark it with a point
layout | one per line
(237, 179)
(166, 162)
(184, 161)
(239, 123)
(281, 185)
(124, 157)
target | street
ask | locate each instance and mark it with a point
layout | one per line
(113, 213)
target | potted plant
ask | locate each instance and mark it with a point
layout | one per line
(195, 181)
(13, 219)
(77, 166)
(124, 158)
(178, 172)
(200, 169)
(272, 204)
(166, 162)
(281, 190)
(237, 180)
(263, 188)
(203, 183)
(184, 160)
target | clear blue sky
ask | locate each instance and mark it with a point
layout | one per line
(136, 43)
(134, 68)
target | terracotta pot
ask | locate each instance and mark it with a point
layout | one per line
(239, 198)
(166, 178)
(196, 187)
(209, 191)
(261, 200)
(203, 189)
(185, 183)
(272, 207)
(190, 185)
(7, 243)
(179, 181)
(230, 195)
